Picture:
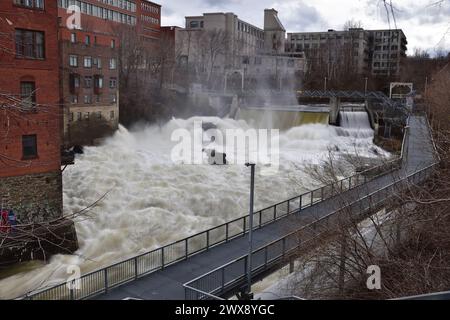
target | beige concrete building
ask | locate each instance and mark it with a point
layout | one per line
(221, 43)
(378, 52)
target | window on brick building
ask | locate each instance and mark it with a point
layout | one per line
(29, 146)
(97, 62)
(113, 43)
(73, 37)
(98, 82)
(74, 99)
(28, 94)
(74, 82)
(34, 4)
(30, 44)
(112, 83)
(71, 118)
(73, 60)
(88, 99)
(78, 115)
(88, 62)
(112, 63)
(88, 82)
(87, 40)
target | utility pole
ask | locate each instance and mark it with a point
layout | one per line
(249, 294)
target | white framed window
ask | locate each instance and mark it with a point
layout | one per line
(73, 60)
(112, 63)
(88, 62)
(87, 99)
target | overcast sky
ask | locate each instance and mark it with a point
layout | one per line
(426, 26)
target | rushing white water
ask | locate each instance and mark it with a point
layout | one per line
(152, 201)
(356, 124)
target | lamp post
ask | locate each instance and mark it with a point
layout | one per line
(325, 84)
(365, 86)
(249, 294)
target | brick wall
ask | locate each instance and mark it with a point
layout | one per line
(45, 123)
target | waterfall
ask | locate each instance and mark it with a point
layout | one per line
(152, 201)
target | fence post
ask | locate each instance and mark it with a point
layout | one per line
(106, 279)
(300, 204)
(274, 212)
(312, 197)
(265, 256)
(135, 268)
(226, 232)
(162, 258)
(72, 297)
(223, 279)
(284, 246)
(245, 225)
(321, 194)
(288, 207)
(349, 183)
(260, 218)
(207, 240)
(186, 248)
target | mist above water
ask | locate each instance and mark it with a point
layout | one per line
(152, 201)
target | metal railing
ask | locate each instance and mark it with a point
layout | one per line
(233, 274)
(102, 280)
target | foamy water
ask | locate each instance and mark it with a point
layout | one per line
(152, 201)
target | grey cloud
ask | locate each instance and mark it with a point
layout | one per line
(297, 16)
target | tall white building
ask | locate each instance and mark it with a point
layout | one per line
(221, 43)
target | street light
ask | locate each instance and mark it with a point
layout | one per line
(249, 294)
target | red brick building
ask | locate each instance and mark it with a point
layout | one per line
(105, 15)
(89, 61)
(30, 114)
(89, 85)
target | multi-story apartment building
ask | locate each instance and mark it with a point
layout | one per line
(221, 43)
(332, 48)
(89, 61)
(378, 52)
(30, 155)
(89, 85)
(144, 15)
(387, 48)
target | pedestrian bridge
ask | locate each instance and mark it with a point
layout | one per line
(212, 264)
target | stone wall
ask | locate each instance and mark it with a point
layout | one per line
(34, 197)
